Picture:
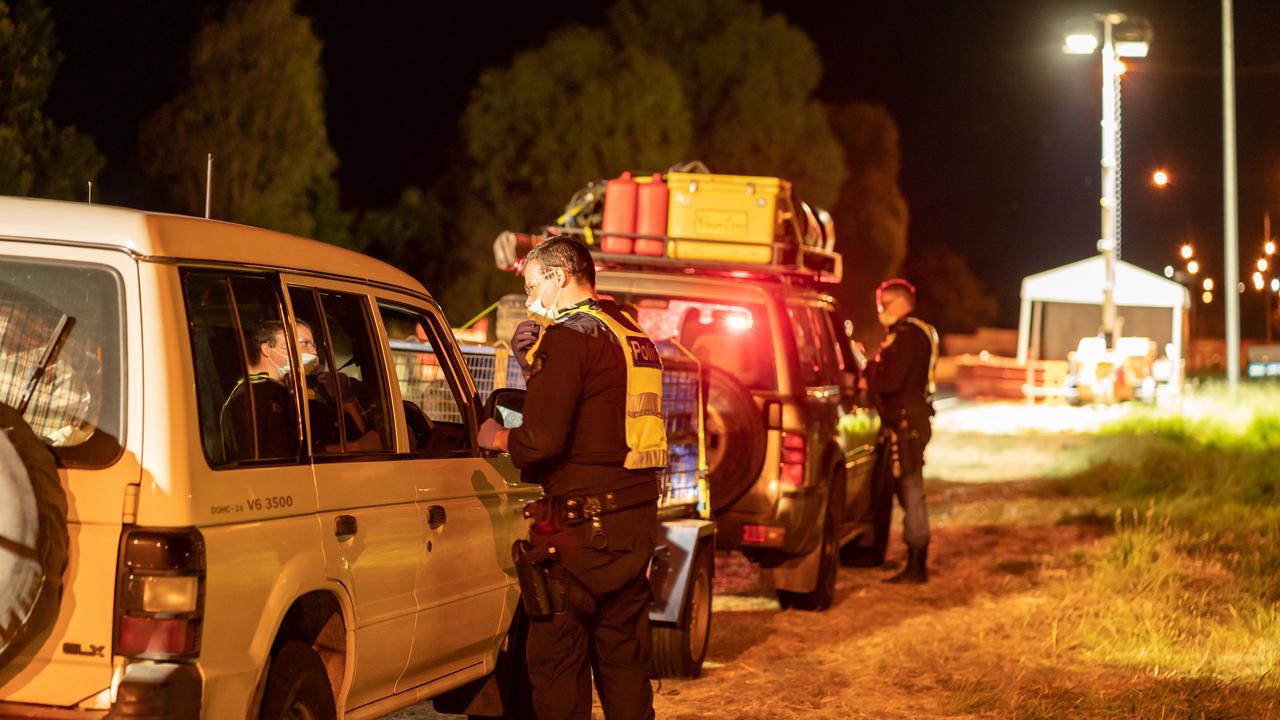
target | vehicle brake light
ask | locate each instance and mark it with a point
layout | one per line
(764, 535)
(793, 457)
(160, 601)
(155, 636)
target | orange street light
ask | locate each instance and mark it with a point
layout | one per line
(1160, 178)
(1186, 251)
(1258, 283)
(1193, 267)
(1262, 264)
(1208, 284)
(1207, 297)
(1269, 247)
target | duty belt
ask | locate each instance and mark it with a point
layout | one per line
(573, 510)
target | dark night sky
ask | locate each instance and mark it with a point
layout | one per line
(1000, 134)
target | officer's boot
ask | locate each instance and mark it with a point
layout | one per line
(916, 571)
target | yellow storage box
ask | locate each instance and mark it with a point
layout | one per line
(736, 213)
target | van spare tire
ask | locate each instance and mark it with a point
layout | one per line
(736, 439)
(33, 536)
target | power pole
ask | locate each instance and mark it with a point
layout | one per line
(1231, 218)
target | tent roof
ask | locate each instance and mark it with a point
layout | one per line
(1081, 282)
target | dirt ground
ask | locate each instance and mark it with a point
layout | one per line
(766, 663)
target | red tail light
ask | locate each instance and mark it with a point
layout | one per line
(793, 457)
(160, 594)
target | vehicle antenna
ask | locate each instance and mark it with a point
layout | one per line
(208, 185)
(90, 192)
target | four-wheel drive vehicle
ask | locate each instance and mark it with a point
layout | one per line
(265, 453)
(739, 278)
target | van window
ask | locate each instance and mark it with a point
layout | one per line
(76, 406)
(432, 393)
(345, 391)
(245, 393)
(809, 354)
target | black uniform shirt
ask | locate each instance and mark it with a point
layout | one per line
(899, 376)
(573, 440)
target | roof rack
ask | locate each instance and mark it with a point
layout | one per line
(791, 261)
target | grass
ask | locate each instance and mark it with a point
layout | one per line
(1178, 615)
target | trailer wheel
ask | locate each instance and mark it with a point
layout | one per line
(678, 650)
(33, 536)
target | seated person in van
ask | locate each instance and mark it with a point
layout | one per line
(62, 409)
(258, 420)
(324, 388)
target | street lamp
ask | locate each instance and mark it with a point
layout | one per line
(1160, 178)
(1193, 267)
(1122, 36)
(1208, 284)
(1187, 251)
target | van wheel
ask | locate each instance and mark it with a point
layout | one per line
(821, 597)
(33, 537)
(736, 439)
(298, 686)
(678, 650)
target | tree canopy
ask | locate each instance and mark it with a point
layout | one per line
(870, 212)
(36, 156)
(948, 294)
(749, 81)
(565, 113)
(254, 98)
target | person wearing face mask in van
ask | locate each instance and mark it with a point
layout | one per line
(268, 431)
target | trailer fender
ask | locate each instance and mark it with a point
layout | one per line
(672, 564)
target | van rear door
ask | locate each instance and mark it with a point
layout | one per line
(81, 408)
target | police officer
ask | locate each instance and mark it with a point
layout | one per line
(593, 437)
(902, 378)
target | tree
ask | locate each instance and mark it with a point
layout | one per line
(749, 79)
(565, 113)
(254, 98)
(36, 156)
(948, 294)
(871, 213)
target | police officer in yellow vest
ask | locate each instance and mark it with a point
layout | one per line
(902, 378)
(593, 437)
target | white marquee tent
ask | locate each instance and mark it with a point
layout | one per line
(1061, 305)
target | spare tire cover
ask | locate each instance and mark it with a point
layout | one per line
(736, 439)
(33, 535)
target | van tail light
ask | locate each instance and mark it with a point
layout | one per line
(793, 456)
(160, 594)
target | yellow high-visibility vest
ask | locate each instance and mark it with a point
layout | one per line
(931, 333)
(646, 428)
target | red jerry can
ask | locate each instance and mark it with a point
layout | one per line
(651, 216)
(619, 214)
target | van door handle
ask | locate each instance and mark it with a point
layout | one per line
(344, 525)
(436, 516)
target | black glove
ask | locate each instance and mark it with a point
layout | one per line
(525, 336)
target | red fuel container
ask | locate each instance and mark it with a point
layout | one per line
(619, 214)
(651, 216)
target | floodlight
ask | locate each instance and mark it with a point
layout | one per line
(1080, 44)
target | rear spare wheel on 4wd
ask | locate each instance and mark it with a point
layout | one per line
(736, 439)
(33, 537)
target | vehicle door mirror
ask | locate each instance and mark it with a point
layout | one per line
(506, 405)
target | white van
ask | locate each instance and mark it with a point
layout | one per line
(274, 501)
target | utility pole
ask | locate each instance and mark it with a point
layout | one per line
(1108, 244)
(1231, 218)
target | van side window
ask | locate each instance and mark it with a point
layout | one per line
(345, 391)
(241, 355)
(828, 345)
(432, 395)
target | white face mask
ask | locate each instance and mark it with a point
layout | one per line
(283, 369)
(309, 361)
(541, 313)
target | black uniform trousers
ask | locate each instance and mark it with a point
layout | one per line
(605, 630)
